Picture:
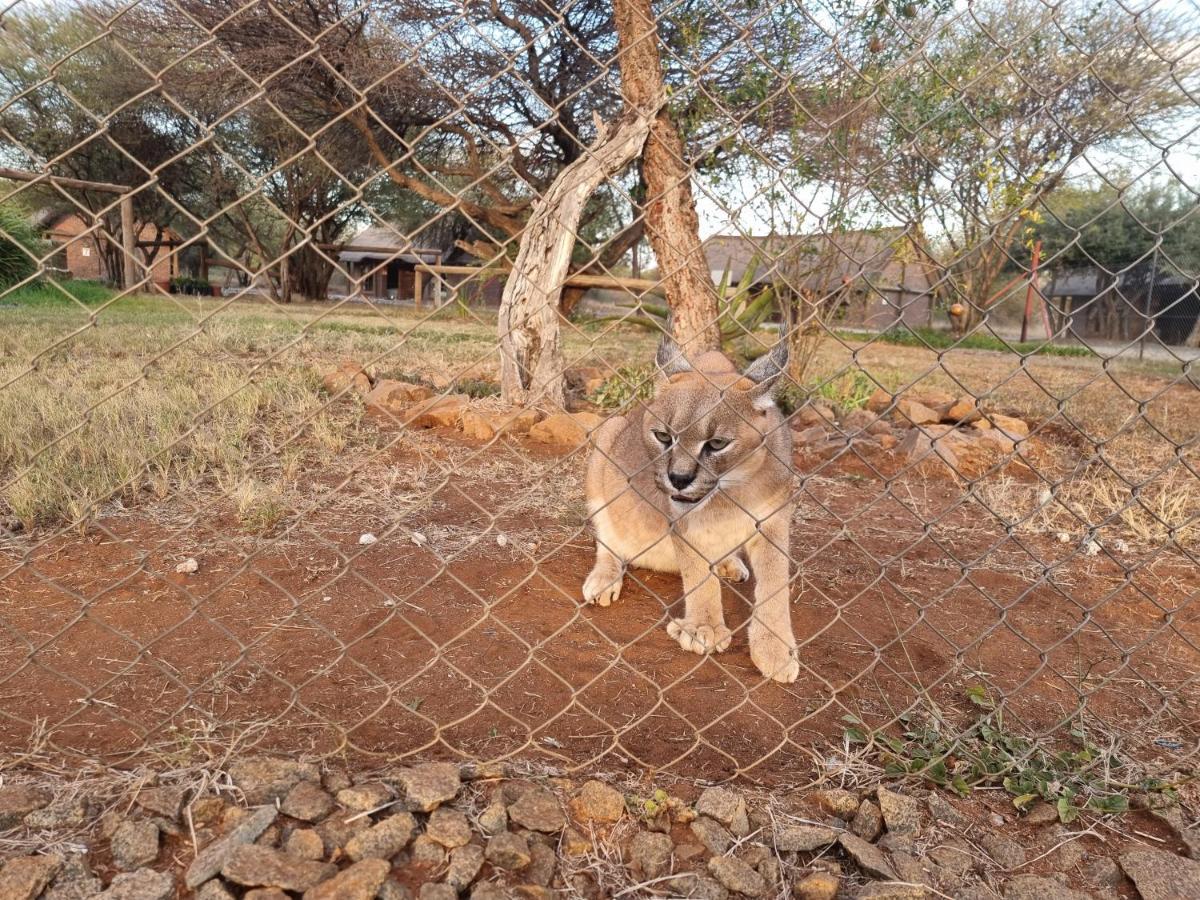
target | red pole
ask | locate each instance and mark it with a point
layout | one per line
(1037, 255)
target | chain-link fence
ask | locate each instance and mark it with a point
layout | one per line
(314, 313)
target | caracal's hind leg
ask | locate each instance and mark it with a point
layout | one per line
(731, 568)
(603, 585)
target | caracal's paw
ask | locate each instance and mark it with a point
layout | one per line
(776, 659)
(602, 587)
(732, 568)
(699, 638)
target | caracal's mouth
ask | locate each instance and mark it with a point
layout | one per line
(679, 498)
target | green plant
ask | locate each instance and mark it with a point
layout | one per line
(627, 385)
(985, 754)
(476, 388)
(741, 309)
(20, 244)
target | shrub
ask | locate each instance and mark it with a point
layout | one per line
(20, 244)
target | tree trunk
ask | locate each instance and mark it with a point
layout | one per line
(531, 363)
(672, 225)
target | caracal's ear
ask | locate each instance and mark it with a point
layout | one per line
(669, 360)
(765, 372)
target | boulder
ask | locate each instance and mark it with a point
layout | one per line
(867, 822)
(144, 884)
(901, 813)
(914, 412)
(1013, 427)
(383, 840)
(538, 810)
(26, 877)
(162, 801)
(1036, 887)
(962, 411)
(360, 881)
(649, 854)
(1159, 875)
(837, 802)
(307, 801)
(508, 851)
(879, 401)
(429, 785)
(803, 838)
(868, 857)
(253, 866)
(477, 426)
(346, 375)
(737, 876)
(448, 827)
(134, 844)
(565, 429)
(817, 886)
(437, 412)
(19, 800)
(393, 397)
(208, 862)
(597, 802)
(264, 779)
(369, 795)
(465, 863)
(305, 844)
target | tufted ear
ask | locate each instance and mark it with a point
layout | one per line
(766, 370)
(669, 359)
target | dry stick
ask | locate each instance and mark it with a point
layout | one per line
(531, 364)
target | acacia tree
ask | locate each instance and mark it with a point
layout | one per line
(993, 112)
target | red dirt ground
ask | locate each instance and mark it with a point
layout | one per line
(317, 644)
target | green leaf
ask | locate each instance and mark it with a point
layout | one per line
(1024, 800)
(1066, 812)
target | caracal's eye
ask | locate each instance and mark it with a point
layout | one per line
(663, 437)
(716, 445)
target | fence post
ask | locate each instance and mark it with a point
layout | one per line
(129, 242)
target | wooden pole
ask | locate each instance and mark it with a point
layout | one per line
(1037, 253)
(129, 243)
(417, 287)
(103, 186)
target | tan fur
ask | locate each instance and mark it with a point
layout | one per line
(744, 506)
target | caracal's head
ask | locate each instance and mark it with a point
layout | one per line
(707, 426)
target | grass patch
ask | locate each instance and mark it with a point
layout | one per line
(934, 339)
(59, 293)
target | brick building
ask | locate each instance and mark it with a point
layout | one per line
(79, 248)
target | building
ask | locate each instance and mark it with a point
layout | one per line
(873, 276)
(1092, 302)
(80, 243)
(381, 264)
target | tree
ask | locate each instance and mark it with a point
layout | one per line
(993, 112)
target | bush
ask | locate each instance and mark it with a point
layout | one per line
(20, 244)
(181, 284)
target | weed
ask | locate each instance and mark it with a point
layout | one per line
(625, 387)
(986, 755)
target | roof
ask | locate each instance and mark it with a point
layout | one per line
(384, 242)
(816, 261)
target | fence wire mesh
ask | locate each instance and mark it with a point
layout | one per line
(315, 311)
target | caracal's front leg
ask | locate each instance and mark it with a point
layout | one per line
(702, 628)
(772, 644)
(603, 585)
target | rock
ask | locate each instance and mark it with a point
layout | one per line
(74, 881)
(265, 894)
(494, 819)
(894, 891)
(305, 843)
(597, 802)
(836, 802)
(962, 411)
(144, 884)
(336, 832)
(346, 375)
(712, 835)
(208, 862)
(725, 806)
(25, 877)
(803, 838)
(867, 822)
(879, 401)
(538, 810)
(996, 440)
(431, 890)
(909, 869)
(393, 890)
(477, 426)
(162, 801)
(508, 851)
(817, 886)
(1159, 875)
(814, 412)
(19, 800)
(534, 892)
(370, 795)
(542, 863)
(263, 779)
(1103, 871)
(1013, 427)
(1172, 816)
(913, 412)
(253, 866)
(942, 811)
(465, 863)
(429, 785)
(214, 890)
(858, 420)
(1007, 853)
(565, 429)
(901, 814)
(896, 843)
(383, 840)
(360, 881)
(813, 435)
(394, 397)
(307, 802)
(485, 890)
(134, 844)
(737, 876)
(868, 857)
(448, 827)
(427, 852)
(926, 445)
(436, 412)
(697, 887)
(68, 812)
(955, 856)
(1035, 887)
(585, 379)
(649, 854)
(573, 843)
